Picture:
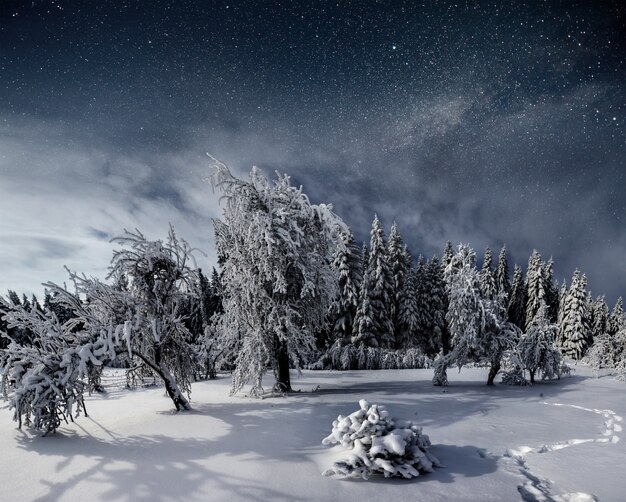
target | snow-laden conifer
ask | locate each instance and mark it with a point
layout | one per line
(477, 324)
(600, 317)
(437, 306)
(503, 282)
(616, 321)
(535, 287)
(406, 334)
(378, 443)
(487, 280)
(517, 301)
(347, 263)
(377, 290)
(400, 267)
(574, 326)
(537, 349)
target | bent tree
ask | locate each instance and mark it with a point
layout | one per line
(159, 277)
(276, 251)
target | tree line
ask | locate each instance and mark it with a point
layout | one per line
(293, 290)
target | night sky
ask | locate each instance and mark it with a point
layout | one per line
(479, 122)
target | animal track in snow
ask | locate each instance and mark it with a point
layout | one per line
(538, 488)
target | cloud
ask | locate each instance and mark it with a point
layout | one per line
(62, 204)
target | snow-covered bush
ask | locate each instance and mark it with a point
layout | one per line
(514, 377)
(45, 380)
(608, 352)
(379, 444)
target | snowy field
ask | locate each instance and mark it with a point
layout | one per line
(561, 440)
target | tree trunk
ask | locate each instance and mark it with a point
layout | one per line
(493, 371)
(532, 376)
(171, 387)
(283, 381)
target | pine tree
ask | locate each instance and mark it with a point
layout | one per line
(616, 320)
(503, 282)
(438, 306)
(400, 265)
(408, 314)
(562, 296)
(347, 263)
(424, 320)
(600, 317)
(487, 280)
(517, 302)
(574, 328)
(551, 292)
(535, 287)
(378, 285)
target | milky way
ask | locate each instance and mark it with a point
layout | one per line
(480, 122)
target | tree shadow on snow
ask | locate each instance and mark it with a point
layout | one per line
(138, 468)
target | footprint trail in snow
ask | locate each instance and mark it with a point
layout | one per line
(540, 489)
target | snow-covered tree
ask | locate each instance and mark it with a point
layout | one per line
(551, 291)
(377, 286)
(378, 443)
(574, 327)
(561, 311)
(487, 280)
(347, 263)
(406, 335)
(278, 281)
(535, 287)
(423, 299)
(616, 321)
(517, 301)
(477, 324)
(537, 349)
(45, 380)
(161, 275)
(400, 266)
(437, 307)
(503, 282)
(600, 317)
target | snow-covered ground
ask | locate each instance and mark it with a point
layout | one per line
(561, 440)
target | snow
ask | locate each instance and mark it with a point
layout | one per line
(559, 440)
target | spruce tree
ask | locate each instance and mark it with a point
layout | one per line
(574, 328)
(551, 292)
(437, 306)
(378, 288)
(487, 280)
(347, 263)
(517, 302)
(424, 321)
(408, 314)
(503, 282)
(535, 287)
(600, 317)
(616, 320)
(400, 265)
(562, 297)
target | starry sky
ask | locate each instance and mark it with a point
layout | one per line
(480, 122)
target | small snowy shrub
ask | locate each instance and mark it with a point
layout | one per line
(379, 444)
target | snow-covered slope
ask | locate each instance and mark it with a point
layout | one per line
(558, 440)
